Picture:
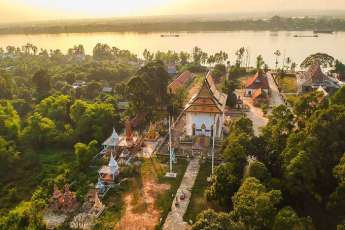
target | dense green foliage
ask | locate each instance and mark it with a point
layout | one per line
(298, 161)
(275, 23)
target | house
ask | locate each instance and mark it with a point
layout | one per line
(78, 84)
(172, 69)
(258, 81)
(205, 111)
(311, 79)
(107, 90)
(180, 82)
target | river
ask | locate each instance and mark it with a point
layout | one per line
(261, 42)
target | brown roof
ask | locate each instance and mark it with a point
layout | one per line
(313, 75)
(259, 80)
(180, 81)
(208, 99)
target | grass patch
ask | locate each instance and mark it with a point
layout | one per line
(198, 202)
(288, 84)
(165, 199)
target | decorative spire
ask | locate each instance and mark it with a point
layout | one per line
(113, 164)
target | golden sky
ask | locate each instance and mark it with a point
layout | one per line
(25, 10)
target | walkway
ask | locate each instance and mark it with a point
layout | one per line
(276, 99)
(174, 219)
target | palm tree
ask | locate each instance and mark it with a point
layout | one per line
(288, 62)
(277, 53)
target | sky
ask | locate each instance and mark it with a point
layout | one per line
(34, 10)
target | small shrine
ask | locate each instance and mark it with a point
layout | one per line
(110, 143)
(125, 157)
(63, 201)
(98, 206)
(109, 172)
(152, 134)
(100, 186)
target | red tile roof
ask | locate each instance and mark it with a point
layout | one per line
(180, 81)
(259, 80)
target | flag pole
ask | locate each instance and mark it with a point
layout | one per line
(170, 150)
(213, 148)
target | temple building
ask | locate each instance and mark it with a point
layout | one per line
(205, 111)
(313, 78)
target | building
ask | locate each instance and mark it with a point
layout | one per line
(180, 82)
(258, 81)
(172, 69)
(311, 79)
(205, 111)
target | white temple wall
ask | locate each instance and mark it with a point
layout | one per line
(206, 119)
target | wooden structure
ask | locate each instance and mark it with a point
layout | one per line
(205, 110)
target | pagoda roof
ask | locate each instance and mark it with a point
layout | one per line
(113, 140)
(313, 75)
(208, 99)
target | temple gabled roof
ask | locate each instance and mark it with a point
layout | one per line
(208, 99)
(258, 81)
(313, 75)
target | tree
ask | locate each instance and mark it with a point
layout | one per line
(7, 87)
(218, 71)
(275, 133)
(184, 57)
(41, 81)
(92, 121)
(102, 52)
(259, 62)
(197, 55)
(239, 53)
(211, 220)
(339, 97)
(147, 55)
(238, 146)
(322, 58)
(225, 182)
(287, 219)
(55, 108)
(92, 89)
(277, 53)
(257, 170)
(254, 205)
(84, 153)
(39, 132)
(243, 125)
(9, 121)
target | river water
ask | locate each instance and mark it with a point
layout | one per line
(262, 42)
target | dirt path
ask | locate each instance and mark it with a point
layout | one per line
(140, 210)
